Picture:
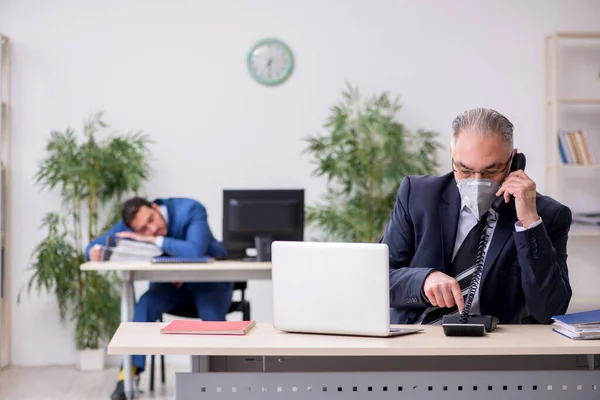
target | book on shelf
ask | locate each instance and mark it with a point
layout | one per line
(573, 148)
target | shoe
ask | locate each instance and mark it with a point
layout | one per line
(119, 392)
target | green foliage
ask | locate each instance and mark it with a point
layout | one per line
(92, 175)
(53, 253)
(365, 156)
(97, 311)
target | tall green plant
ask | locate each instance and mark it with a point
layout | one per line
(365, 156)
(92, 176)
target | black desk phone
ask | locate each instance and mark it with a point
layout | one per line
(467, 324)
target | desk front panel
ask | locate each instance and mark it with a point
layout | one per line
(477, 385)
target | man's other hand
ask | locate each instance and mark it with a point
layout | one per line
(443, 291)
(136, 236)
(96, 252)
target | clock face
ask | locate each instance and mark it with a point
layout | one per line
(270, 62)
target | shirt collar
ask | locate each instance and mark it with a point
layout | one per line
(464, 208)
(164, 212)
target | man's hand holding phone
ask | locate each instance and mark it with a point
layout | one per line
(523, 189)
(442, 290)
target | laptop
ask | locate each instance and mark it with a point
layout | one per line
(332, 288)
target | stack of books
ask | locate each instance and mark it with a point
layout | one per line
(586, 218)
(573, 148)
(578, 326)
(131, 250)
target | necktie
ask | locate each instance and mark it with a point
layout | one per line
(462, 268)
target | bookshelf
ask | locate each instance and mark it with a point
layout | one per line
(567, 145)
(4, 146)
(573, 101)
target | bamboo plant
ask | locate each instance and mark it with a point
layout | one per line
(92, 176)
(364, 156)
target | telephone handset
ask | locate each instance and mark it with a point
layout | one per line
(518, 162)
(467, 324)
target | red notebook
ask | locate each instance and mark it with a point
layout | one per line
(195, 327)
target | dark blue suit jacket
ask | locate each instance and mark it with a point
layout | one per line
(525, 277)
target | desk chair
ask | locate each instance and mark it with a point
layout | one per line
(188, 310)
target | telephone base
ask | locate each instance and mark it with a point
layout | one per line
(463, 329)
(476, 325)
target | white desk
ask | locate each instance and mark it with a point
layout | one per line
(512, 362)
(217, 271)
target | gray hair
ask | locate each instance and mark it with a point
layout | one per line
(484, 121)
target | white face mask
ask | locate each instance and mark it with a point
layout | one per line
(478, 194)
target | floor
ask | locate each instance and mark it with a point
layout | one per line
(66, 383)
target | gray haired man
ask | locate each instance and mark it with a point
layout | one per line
(441, 225)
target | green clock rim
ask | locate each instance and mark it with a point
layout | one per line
(288, 70)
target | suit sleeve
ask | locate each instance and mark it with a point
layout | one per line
(405, 283)
(197, 236)
(543, 258)
(118, 227)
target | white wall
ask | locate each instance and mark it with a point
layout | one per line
(177, 71)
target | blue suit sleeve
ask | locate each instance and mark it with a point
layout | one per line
(543, 258)
(118, 227)
(197, 236)
(405, 283)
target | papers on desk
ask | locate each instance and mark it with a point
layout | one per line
(131, 250)
(578, 326)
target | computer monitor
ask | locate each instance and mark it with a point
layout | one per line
(255, 218)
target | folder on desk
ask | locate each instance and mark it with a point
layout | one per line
(578, 326)
(194, 327)
(181, 260)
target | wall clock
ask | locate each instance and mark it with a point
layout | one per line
(270, 62)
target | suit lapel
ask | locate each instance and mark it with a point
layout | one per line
(503, 231)
(449, 212)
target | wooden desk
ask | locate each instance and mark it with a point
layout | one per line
(512, 362)
(217, 271)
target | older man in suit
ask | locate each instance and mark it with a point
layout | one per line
(436, 228)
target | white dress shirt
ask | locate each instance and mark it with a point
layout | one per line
(466, 221)
(163, 211)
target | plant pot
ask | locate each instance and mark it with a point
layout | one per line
(90, 360)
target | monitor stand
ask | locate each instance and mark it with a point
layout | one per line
(263, 247)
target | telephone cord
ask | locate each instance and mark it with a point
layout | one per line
(464, 317)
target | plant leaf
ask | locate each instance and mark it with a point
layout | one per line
(364, 157)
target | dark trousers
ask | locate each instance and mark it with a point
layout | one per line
(212, 300)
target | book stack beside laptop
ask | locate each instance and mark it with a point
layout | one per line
(579, 326)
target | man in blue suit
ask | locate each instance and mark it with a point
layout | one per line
(179, 227)
(437, 223)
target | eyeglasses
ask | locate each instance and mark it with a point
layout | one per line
(466, 173)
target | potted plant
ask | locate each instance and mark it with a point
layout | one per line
(92, 176)
(365, 155)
